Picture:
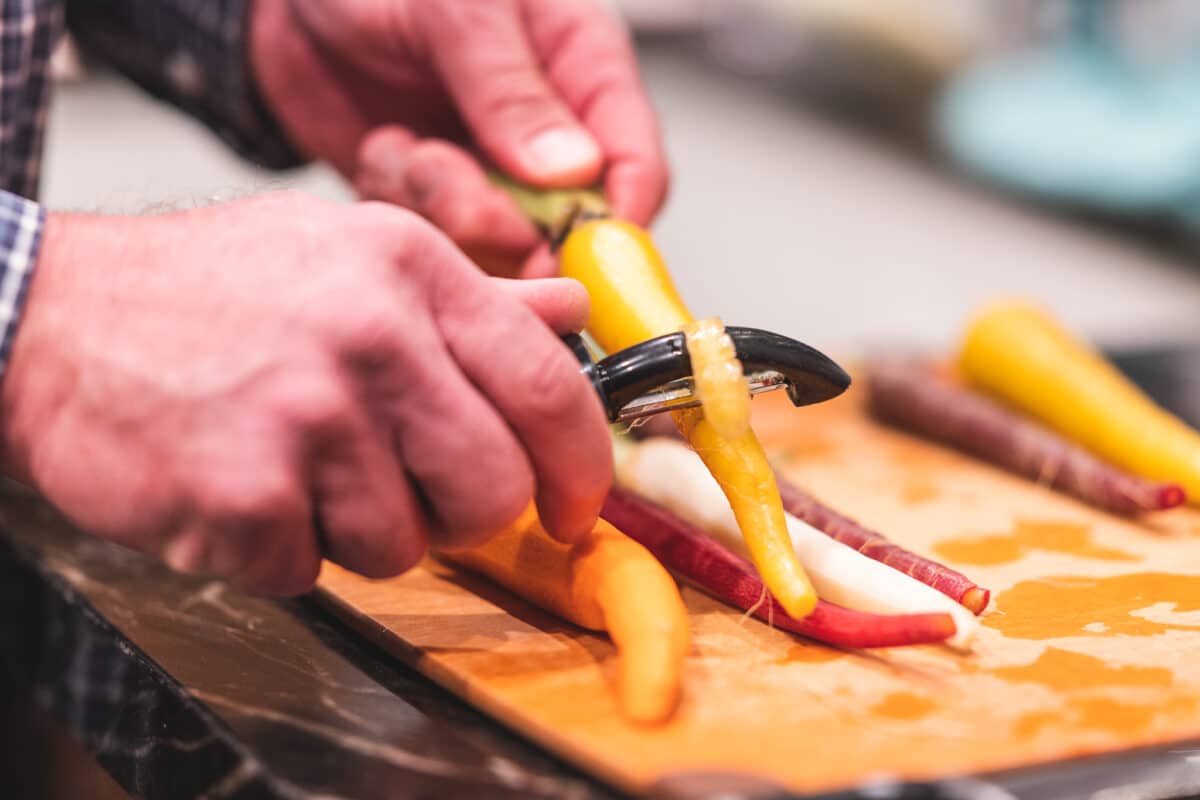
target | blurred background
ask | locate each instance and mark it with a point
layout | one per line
(848, 172)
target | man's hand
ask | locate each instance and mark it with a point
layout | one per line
(205, 385)
(403, 95)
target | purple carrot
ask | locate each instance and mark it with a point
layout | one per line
(909, 395)
(700, 560)
(872, 544)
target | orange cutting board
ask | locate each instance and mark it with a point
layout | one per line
(1090, 645)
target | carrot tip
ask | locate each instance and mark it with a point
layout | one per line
(976, 599)
(1171, 496)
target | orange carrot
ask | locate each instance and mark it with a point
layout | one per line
(606, 582)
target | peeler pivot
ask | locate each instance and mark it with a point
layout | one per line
(656, 376)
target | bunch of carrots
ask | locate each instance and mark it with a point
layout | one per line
(706, 505)
(1037, 401)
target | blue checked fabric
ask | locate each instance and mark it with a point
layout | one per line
(192, 53)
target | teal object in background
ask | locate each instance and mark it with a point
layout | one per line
(1079, 124)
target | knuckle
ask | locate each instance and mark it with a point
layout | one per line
(553, 386)
(400, 559)
(502, 503)
(452, 23)
(392, 552)
(387, 221)
(250, 501)
(657, 175)
(398, 237)
(296, 581)
(313, 405)
(517, 97)
(280, 567)
(376, 536)
(372, 337)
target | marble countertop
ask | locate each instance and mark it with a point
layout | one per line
(181, 687)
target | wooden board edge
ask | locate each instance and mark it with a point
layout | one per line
(497, 709)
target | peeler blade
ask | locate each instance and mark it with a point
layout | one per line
(656, 376)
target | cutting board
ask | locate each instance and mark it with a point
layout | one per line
(1090, 644)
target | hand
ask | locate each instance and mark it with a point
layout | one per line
(403, 95)
(205, 384)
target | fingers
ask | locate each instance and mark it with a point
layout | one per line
(251, 524)
(589, 60)
(562, 303)
(447, 186)
(481, 50)
(371, 520)
(534, 381)
(469, 470)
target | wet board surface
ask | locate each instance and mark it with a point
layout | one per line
(1089, 646)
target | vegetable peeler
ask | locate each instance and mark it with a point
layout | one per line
(655, 376)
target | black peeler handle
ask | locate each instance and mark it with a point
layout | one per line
(810, 375)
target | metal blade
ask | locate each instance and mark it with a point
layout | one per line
(679, 394)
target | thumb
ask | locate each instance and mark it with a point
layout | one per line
(562, 303)
(512, 111)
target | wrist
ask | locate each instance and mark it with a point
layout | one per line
(40, 375)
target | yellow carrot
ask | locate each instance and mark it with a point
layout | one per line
(606, 582)
(634, 299)
(1019, 353)
(748, 482)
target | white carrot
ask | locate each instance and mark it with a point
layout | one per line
(668, 473)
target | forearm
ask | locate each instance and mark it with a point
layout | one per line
(194, 54)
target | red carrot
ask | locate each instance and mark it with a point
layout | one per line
(874, 545)
(700, 560)
(909, 395)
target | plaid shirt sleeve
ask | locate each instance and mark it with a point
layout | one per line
(21, 223)
(193, 53)
(29, 30)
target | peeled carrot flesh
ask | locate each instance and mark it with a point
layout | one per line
(718, 378)
(1019, 353)
(606, 582)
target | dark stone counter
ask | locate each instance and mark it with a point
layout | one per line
(181, 687)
